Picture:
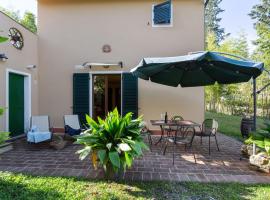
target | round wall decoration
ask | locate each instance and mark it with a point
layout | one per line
(106, 48)
(16, 38)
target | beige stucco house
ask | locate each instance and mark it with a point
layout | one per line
(103, 40)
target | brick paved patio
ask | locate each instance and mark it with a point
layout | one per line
(223, 166)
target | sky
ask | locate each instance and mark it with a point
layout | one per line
(234, 19)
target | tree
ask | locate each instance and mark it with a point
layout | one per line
(29, 21)
(212, 20)
(234, 98)
(261, 13)
(11, 13)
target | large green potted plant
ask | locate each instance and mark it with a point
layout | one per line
(4, 136)
(112, 143)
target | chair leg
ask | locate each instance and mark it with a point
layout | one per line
(173, 152)
(166, 145)
(216, 142)
(150, 142)
(209, 144)
(193, 155)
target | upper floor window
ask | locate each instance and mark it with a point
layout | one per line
(162, 14)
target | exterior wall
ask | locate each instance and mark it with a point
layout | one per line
(18, 60)
(71, 33)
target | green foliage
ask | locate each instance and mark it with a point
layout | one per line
(113, 142)
(21, 187)
(3, 39)
(261, 12)
(3, 135)
(234, 99)
(212, 20)
(230, 125)
(261, 138)
(1, 111)
(29, 21)
(11, 13)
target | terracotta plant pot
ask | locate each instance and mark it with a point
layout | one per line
(5, 147)
(110, 174)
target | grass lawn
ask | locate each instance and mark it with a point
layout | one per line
(23, 187)
(230, 125)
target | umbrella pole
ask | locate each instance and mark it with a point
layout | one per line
(254, 105)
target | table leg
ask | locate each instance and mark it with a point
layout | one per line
(161, 137)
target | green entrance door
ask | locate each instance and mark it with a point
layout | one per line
(16, 104)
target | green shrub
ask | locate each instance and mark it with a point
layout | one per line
(1, 111)
(3, 135)
(261, 138)
(113, 142)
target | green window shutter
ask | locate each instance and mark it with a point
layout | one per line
(81, 95)
(129, 94)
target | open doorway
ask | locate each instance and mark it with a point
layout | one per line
(106, 94)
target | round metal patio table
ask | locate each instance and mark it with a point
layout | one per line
(179, 124)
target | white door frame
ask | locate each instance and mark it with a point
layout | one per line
(91, 87)
(27, 97)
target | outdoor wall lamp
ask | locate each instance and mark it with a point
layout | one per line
(104, 65)
(31, 67)
(3, 57)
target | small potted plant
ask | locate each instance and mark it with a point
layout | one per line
(4, 136)
(261, 157)
(112, 143)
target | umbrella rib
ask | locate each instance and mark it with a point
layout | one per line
(228, 70)
(184, 71)
(165, 65)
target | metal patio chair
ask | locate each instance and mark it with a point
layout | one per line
(208, 129)
(184, 140)
(176, 118)
(147, 133)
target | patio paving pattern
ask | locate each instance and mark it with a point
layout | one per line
(223, 166)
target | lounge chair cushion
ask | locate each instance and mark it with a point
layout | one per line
(37, 136)
(70, 131)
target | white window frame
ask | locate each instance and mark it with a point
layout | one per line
(162, 25)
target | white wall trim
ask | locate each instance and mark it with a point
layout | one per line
(91, 87)
(27, 97)
(106, 72)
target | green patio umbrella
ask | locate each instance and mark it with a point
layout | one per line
(197, 69)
